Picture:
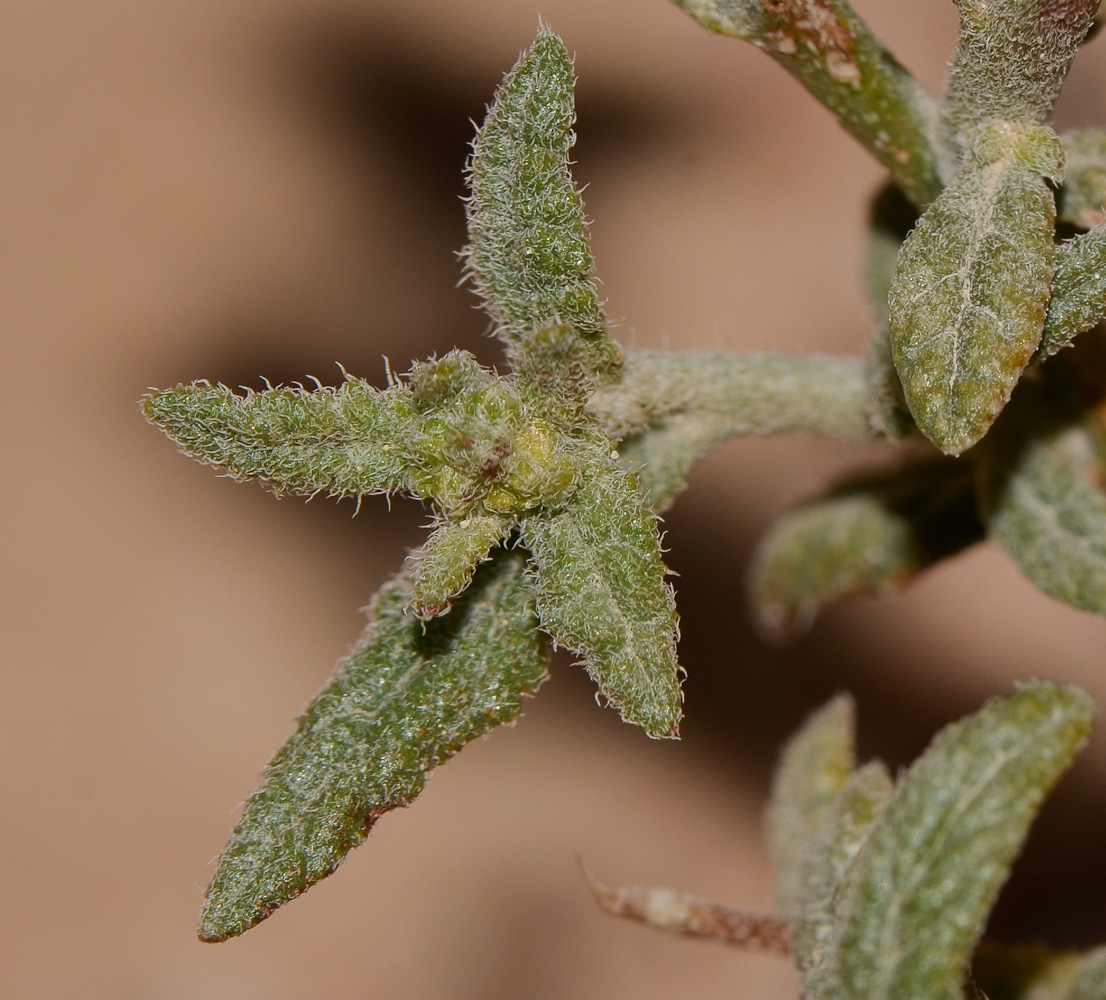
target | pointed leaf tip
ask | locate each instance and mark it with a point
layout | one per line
(403, 702)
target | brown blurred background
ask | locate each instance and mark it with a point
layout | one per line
(239, 189)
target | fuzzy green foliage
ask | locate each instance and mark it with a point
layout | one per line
(1011, 60)
(813, 769)
(913, 904)
(833, 53)
(545, 481)
(971, 288)
(601, 592)
(528, 254)
(868, 535)
(1081, 202)
(827, 855)
(1041, 498)
(1078, 291)
(405, 699)
(897, 885)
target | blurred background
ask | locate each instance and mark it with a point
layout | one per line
(239, 189)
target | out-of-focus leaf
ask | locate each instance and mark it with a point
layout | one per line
(1042, 502)
(833, 53)
(1011, 60)
(1081, 200)
(913, 903)
(969, 296)
(528, 253)
(1024, 972)
(1090, 980)
(869, 535)
(601, 592)
(1078, 291)
(814, 767)
(890, 218)
(843, 831)
(406, 699)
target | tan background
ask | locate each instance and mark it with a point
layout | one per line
(234, 189)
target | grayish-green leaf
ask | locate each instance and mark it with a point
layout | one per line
(405, 700)
(814, 767)
(1010, 63)
(1081, 200)
(1040, 495)
(826, 861)
(888, 414)
(345, 441)
(601, 592)
(669, 409)
(832, 52)
(870, 534)
(914, 901)
(890, 218)
(969, 296)
(528, 254)
(1078, 291)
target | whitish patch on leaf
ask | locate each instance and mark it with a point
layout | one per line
(914, 901)
(833, 53)
(405, 700)
(814, 767)
(971, 288)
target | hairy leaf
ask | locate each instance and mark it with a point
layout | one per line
(601, 592)
(443, 567)
(914, 901)
(1081, 201)
(1090, 980)
(825, 864)
(1078, 291)
(345, 441)
(1040, 497)
(405, 700)
(1010, 63)
(669, 409)
(969, 296)
(814, 767)
(528, 255)
(832, 52)
(869, 535)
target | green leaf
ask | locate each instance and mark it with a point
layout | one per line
(1011, 60)
(443, 567)
(969, 295)
(601, 592)
(1078, 291)
(832, 52)
(914, 901)
(528, 254)
(814, 767)
(826, 862)
(1081, 201)
(1041, 500)
(405, 700)
(890, 218)
(346, 441)
(870, 534)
